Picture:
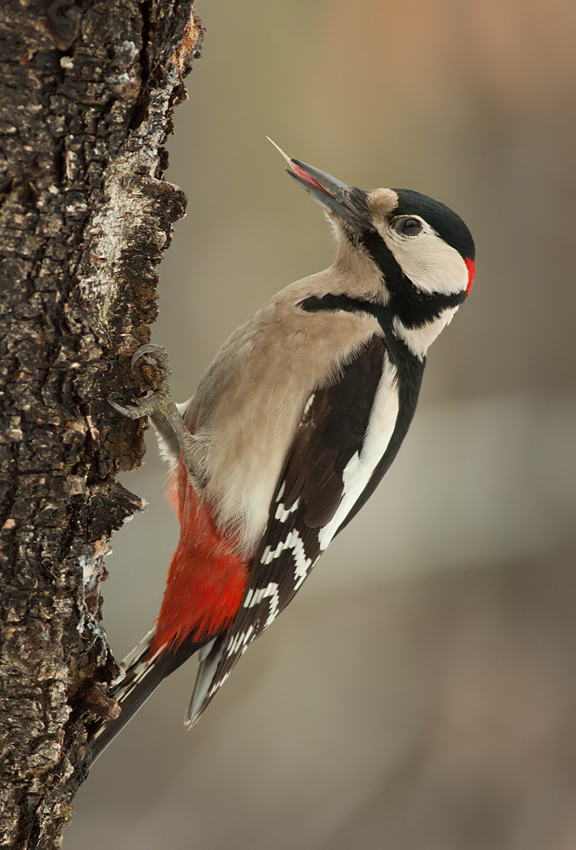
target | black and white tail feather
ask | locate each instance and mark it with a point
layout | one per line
(141, 676)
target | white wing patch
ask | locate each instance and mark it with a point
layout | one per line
(360, 467)
(283, 514)
(302, 564)
(253, 597)
(217, 685)
(240, 642)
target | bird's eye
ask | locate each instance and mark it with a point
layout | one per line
(407, 226)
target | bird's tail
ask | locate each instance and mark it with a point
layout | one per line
(142, 675)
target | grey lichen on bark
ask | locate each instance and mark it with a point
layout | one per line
(88, 89)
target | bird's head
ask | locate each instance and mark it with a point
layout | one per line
(422, 248)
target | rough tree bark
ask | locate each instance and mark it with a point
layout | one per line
(88, 88)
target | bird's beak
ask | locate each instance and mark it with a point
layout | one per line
(346, 202)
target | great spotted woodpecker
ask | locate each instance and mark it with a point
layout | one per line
(292, 428)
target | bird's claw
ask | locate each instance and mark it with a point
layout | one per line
(145, 407)
(156, 400)
(158, 353)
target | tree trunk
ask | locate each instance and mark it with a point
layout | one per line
(85, 106)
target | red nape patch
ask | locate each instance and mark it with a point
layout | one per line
(206, 579)
(471, 266)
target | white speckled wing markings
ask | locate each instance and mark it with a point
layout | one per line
(344, 432)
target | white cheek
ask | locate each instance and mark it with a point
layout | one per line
(431, 264)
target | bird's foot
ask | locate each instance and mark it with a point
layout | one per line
(161, 398)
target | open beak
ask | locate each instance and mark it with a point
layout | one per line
(347, 202)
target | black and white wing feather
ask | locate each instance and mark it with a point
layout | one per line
(318, 471)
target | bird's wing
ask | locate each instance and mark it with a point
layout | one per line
(323, 471)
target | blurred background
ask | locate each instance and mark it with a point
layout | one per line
(420, 692)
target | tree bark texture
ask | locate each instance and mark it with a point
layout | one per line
(88, 88)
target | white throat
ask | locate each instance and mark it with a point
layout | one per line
(419, 339)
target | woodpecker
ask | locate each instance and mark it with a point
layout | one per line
(292, 428)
